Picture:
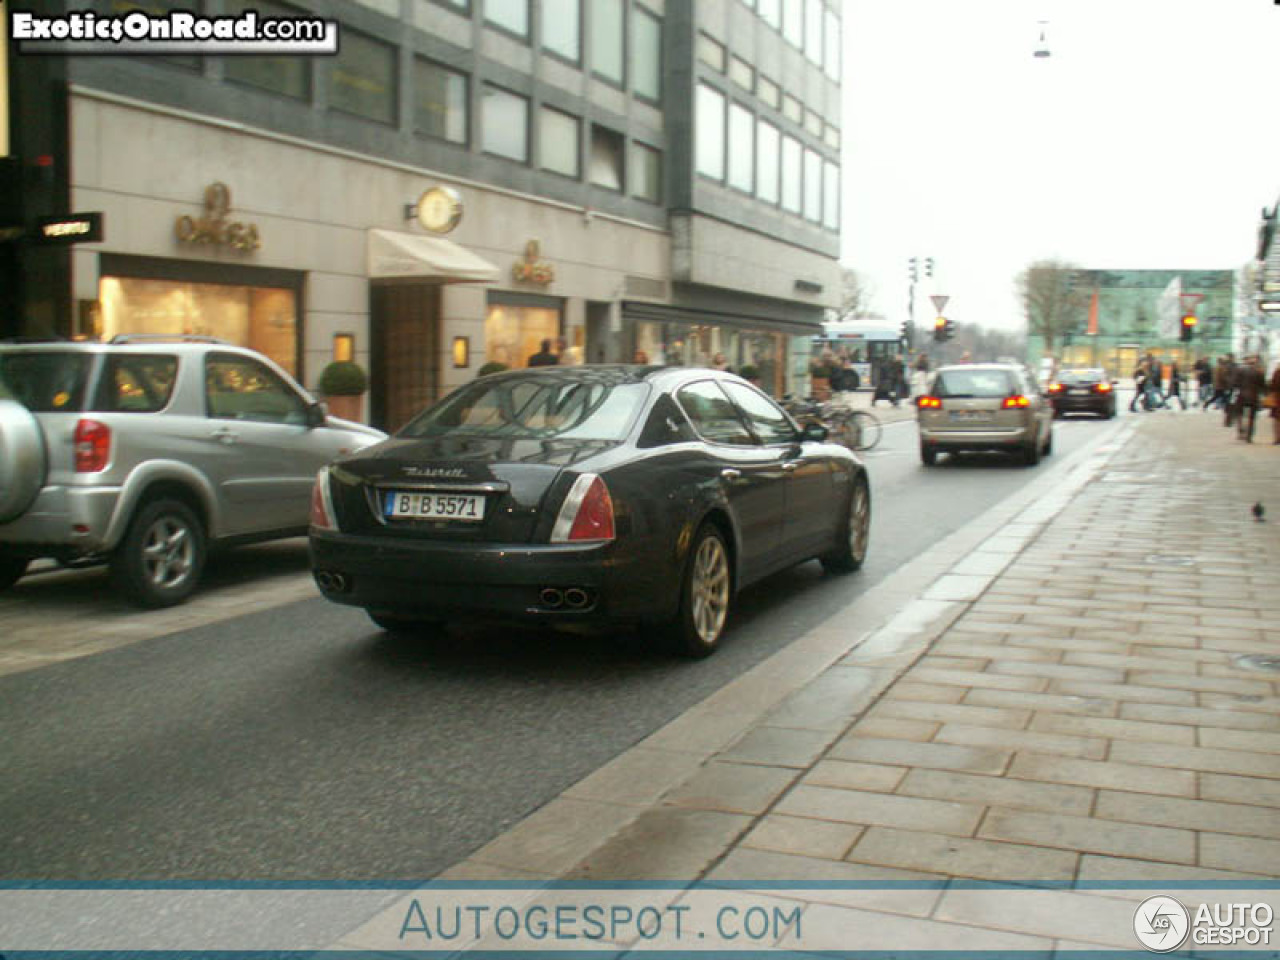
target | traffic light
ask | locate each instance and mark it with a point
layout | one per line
(913, 268)
(1188, 327)
(948, 330)
(904, 333)
(941, 330)
(928, 267)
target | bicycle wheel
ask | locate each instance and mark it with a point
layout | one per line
(868, 430)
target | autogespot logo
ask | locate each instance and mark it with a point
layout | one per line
(1161, 924)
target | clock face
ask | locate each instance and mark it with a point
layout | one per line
(440, 209)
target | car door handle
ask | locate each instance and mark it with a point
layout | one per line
(730, 475)
(225, 435)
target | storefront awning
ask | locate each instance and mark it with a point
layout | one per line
(412, 257)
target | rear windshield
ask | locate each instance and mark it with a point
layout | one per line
(52, 382)
(534, 406)
(1081, 376)
(975, 383)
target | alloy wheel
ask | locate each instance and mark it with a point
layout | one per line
(168, 553)
(709, 589)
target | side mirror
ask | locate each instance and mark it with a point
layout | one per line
(814, 433)
(317, 415)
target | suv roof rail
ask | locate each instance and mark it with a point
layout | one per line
(120, 338)
(25, 339)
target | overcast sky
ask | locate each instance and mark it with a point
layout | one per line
(1150, 138)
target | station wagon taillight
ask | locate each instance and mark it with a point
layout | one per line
(587, 512)
(92, 442)
(1015, 402)
(929, 403)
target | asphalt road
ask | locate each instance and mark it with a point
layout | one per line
(303, 743)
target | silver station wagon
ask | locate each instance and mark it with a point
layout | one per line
(991, 406)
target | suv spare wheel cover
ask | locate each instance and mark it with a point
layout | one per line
(22, 459)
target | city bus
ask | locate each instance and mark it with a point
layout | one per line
(865, 342)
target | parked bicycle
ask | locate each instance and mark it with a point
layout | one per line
(856, 429)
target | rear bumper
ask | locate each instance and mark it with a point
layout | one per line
(974, 439)
(64, 522)
(1090, 404)
(481, 581)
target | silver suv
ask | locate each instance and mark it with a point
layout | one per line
(144, 452)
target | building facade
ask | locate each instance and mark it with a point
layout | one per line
(465, 179)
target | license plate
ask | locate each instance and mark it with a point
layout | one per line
(434, 506)
(971, 416)
(1080, 393)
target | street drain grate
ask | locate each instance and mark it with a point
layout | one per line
(1170, 560)
(1263, 662)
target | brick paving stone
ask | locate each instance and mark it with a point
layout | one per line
(1095, 868)
(748, 866)
(880, 809)
(925, 692)
(896, 728)
(1125, 692)
(950, 645)
(937, 756)
(855, 776)
(1071, 746)
(1218, 738)
(1089, 834)
(1094, 642)
(1051, 702)
(803, 836)
(731, 787)
(1200, 716)
(1135, 660)
(963, 857)
(1105, 774)
(1198, 758)
(1239, 853)
(998, 791)
(1246, 704)
(953, 713)
(1232, 818)
(976, 679)
(1232, 789)
(1059, 671)
(942, 661)
(1113, 729)
(1180, 681)
(779, 746)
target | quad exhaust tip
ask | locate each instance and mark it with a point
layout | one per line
(332, 582)
(574, 598)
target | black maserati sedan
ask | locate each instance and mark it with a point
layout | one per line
(588, 495)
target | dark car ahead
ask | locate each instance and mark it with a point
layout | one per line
(1083, 391)
(589, 495)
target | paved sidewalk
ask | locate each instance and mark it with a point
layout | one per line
(1086, 690)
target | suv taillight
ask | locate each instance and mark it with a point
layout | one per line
(587, 512)
(321, 504)
(929, 403)
(92, 445)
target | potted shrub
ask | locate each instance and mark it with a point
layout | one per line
(343, 384)
(750, 373)
(493, 366)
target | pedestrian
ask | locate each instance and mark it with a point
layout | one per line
(1140, 377)
(719, 362)
(1250, 385)
(640, 357)
(1273, 401)
(1223, 375)
(1175, 387)
(884, 382)
(544, 357)
(1204, 379)
(1155, 384)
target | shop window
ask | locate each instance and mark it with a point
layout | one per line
(560, 142)
(439, 101)
(646, 54)
(288, 76)
(510, 15)
(741, 153)
(646, 173)
(505, 122)
(812, 186)
(514, 332)
(607, 158)
(767, 162)
(606, 30)
(710, 132)
(364, 78)
(561, 24)
(792, 175)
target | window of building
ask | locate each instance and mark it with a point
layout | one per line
(562, 28)
(813, 186)
(769, 93)
(830, 195)
(832, 59)
(767, 140)
(505, 124)
(771, 12)
(288, 76)
(742, 73)
(793, 21)
(606, 168)
(742, 133)
(813, 30)
(711, 52)
(606, 30)
(510, 15)
(813, 123)
(560, 142)
(646, 54)
(832, 137)
(709, 132)
(364, 78)
(792, 174)
(646, 173)
(439, 101)
(513, 332)
(791, 109)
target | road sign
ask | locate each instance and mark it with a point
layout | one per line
(939, 302)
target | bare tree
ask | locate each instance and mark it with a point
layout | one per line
(1052, 304)
(856, 294)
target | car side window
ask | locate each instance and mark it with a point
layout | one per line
(666, 424)
(713, 415)
(133, 383)
(241, 388)
(765, 417)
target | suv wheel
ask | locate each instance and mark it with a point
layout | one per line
(11, 570)
(161, 557)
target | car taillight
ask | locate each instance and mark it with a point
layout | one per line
(1015, 402)
(1102, 387)
(92, 446)
(1055, 388)
(587, 512)
(929, 403)
(321, 504)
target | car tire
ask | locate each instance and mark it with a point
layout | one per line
(854, 532)
(11, 570)
(706, 593)
(404, 626)
(23, 461)
(1031, 453)
(1048, 444)
(161, 558)
(928, 455)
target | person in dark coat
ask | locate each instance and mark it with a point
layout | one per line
(1175, 387)
(544, 357)
(1250, 386)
